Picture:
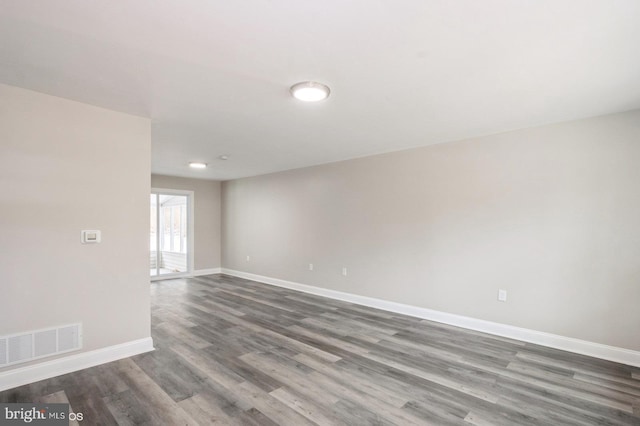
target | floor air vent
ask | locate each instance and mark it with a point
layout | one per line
(23, 347)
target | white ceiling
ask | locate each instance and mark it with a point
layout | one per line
(214, 75)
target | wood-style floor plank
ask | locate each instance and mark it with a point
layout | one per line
(231, 351)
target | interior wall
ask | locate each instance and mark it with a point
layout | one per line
(551, 214)
(64, 167)
(207, 216)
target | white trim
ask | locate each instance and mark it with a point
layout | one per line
(210, 271)
(191, 226)
(196, 273)
(597, 350)
(56, 367)
(170, 276)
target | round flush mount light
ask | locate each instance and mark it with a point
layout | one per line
(195, 165)
(310, 91)
(224, 157)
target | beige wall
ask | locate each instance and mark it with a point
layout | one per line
(551, 214)
(206, 194)
(64, 167)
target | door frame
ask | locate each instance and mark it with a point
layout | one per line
(190, 233)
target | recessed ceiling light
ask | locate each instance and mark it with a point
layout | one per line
(310, 91)
(194, 165)
(224, 157)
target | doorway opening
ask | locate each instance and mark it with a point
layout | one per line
(171, 233)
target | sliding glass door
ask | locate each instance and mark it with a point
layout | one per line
(170, 239)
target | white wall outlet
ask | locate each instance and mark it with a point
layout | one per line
(344, 271)
(311, 266)
(248, 258)
(502, 295)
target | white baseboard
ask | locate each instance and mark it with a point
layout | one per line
(68, 364)
(210, 271)
(597, 350)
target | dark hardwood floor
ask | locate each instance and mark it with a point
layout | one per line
(232, 351)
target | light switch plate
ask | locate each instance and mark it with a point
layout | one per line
(90, 236)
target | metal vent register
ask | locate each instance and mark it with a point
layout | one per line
(30, 345)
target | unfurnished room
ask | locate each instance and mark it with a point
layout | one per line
(422, 212)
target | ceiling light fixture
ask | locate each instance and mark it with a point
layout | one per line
(194, 165)
(224, 157)
(310, 91)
